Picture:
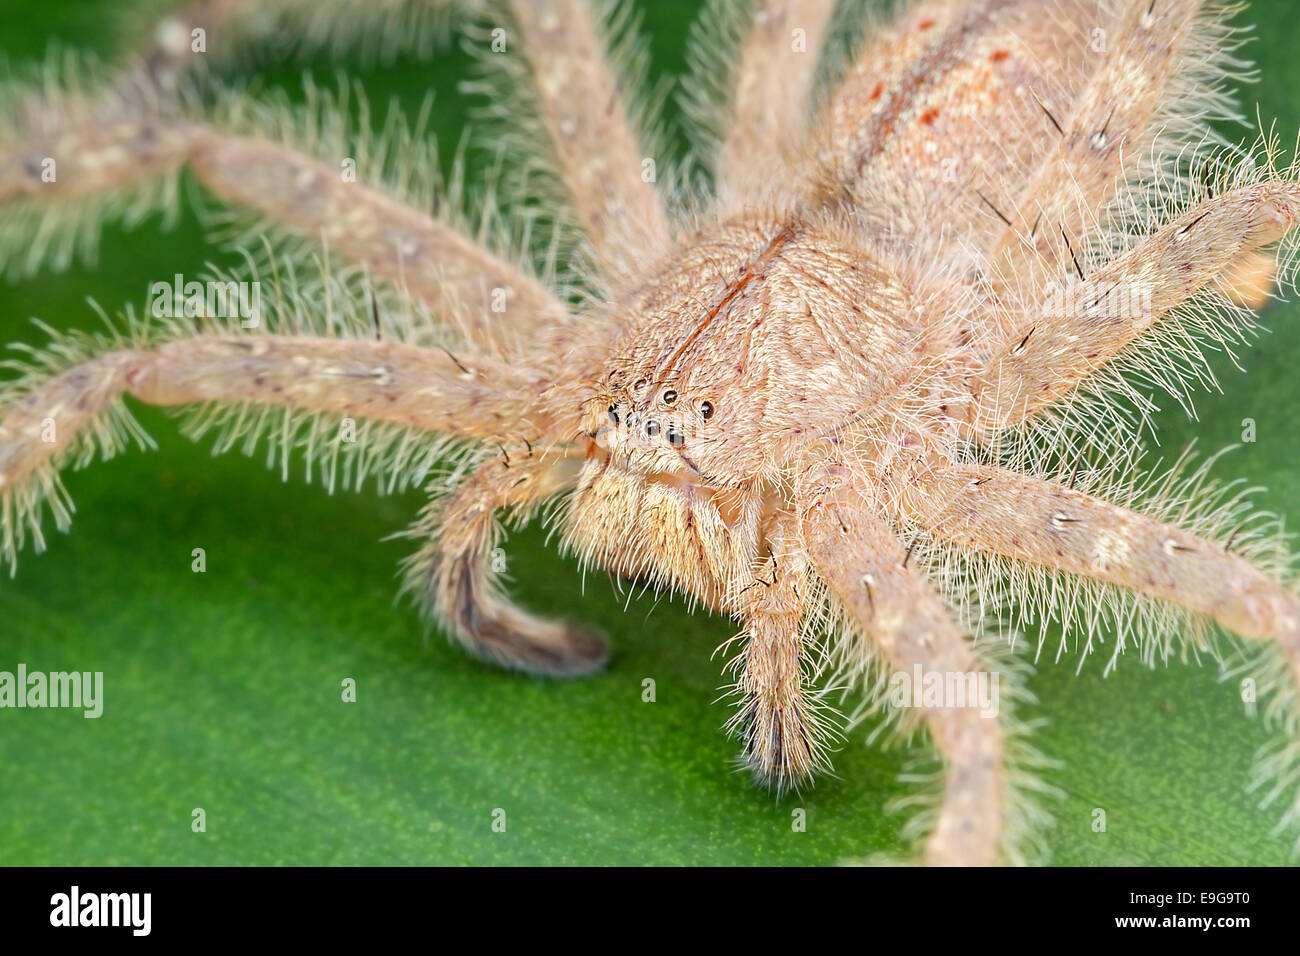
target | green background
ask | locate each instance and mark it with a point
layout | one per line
(223, 689)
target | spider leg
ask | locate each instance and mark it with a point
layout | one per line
(447, 271)
(1041, 522)
(597, 153)
(771, 88)
(490, 301)
(455, 576)
(55, 417)
(1087, 323)
(777, 719)
(909, 624)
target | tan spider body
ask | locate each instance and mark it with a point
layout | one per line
(810, 402)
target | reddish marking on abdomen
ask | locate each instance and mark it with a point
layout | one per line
(932, 68)
(929, 116)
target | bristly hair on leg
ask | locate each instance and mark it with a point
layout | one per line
(858, 674)
(410, 230)
(336, 451)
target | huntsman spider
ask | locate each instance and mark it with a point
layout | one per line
(865, 372)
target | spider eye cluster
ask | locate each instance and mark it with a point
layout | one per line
(670, 398)
(673, 420)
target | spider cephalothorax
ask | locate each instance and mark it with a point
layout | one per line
(848, 376)
(721, 385)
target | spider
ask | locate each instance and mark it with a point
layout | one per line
(858, 374)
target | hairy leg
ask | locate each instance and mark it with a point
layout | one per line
(777, 720)
(56, 416)
(491, 302)
(1086, 324)
(898, 611)
(772, 87)
(455, 576)
(596, 148)
(1040, 522)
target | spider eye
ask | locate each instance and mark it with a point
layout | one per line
(613, 414)
(669, 397)
(675, 437)
(651, 428)
(706, 410)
